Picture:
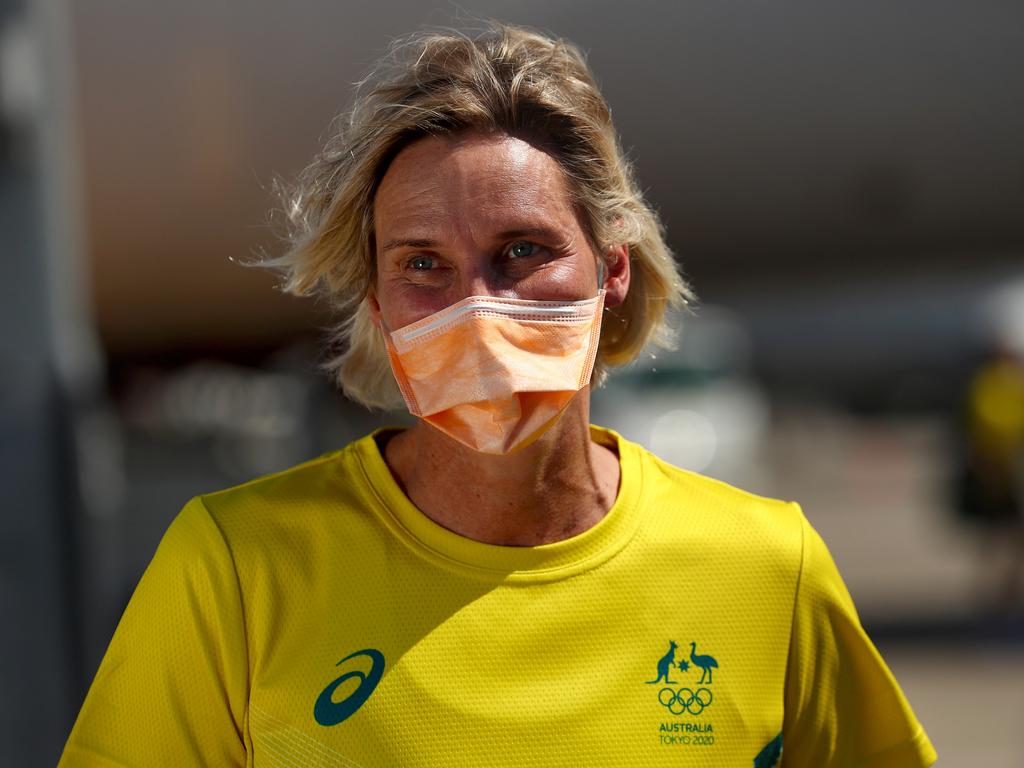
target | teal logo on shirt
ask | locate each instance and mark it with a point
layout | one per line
(685, 697)
(769, 756)
(327, 711)
(684, 700)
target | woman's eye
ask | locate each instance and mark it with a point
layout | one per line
(421, 262)
(522, 248)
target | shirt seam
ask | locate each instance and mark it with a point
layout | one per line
(309, 464)
(245, 626)
(794, 611)
(749, 496)
(919, 739)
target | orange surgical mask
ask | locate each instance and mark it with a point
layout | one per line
(495, 373)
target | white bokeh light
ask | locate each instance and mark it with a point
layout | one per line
(684, 438)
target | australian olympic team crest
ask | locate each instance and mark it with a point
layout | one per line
(685, 697)
(689, 701)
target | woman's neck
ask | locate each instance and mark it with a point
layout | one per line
(559, 486)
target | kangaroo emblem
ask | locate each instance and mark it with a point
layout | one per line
(666, 662)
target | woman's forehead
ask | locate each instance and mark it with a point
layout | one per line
(485, 176)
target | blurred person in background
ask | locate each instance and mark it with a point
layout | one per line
(502, 583)
(991, 478)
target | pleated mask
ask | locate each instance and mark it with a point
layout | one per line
(495, 373)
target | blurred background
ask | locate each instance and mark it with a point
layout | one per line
(843, 183)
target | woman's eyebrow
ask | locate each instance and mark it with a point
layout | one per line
(391, 245)
(544, 232)
(507, 234)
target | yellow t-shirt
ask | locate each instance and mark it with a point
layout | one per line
(316, 617)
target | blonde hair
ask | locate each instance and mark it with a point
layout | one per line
(504, 79)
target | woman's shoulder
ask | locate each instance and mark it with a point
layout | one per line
(686, 489)
(680, 502)
(300, 496)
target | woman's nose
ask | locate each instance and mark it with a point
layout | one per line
(480, 280)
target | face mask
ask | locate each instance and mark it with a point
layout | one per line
(495, 373)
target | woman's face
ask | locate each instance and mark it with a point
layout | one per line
(471, 215)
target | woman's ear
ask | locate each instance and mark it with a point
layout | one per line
(616, 275)
(373, 306)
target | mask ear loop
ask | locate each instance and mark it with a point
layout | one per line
(600, 272)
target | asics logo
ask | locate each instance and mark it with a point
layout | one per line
(327, 711)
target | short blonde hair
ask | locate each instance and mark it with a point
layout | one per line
(504, 79)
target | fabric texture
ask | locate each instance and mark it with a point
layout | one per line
(315, 617)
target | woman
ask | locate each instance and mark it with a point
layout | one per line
(500, 584)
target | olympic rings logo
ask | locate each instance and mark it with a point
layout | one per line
(685, 700)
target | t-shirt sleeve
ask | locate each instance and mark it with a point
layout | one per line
(172, 687)
(842, 705)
